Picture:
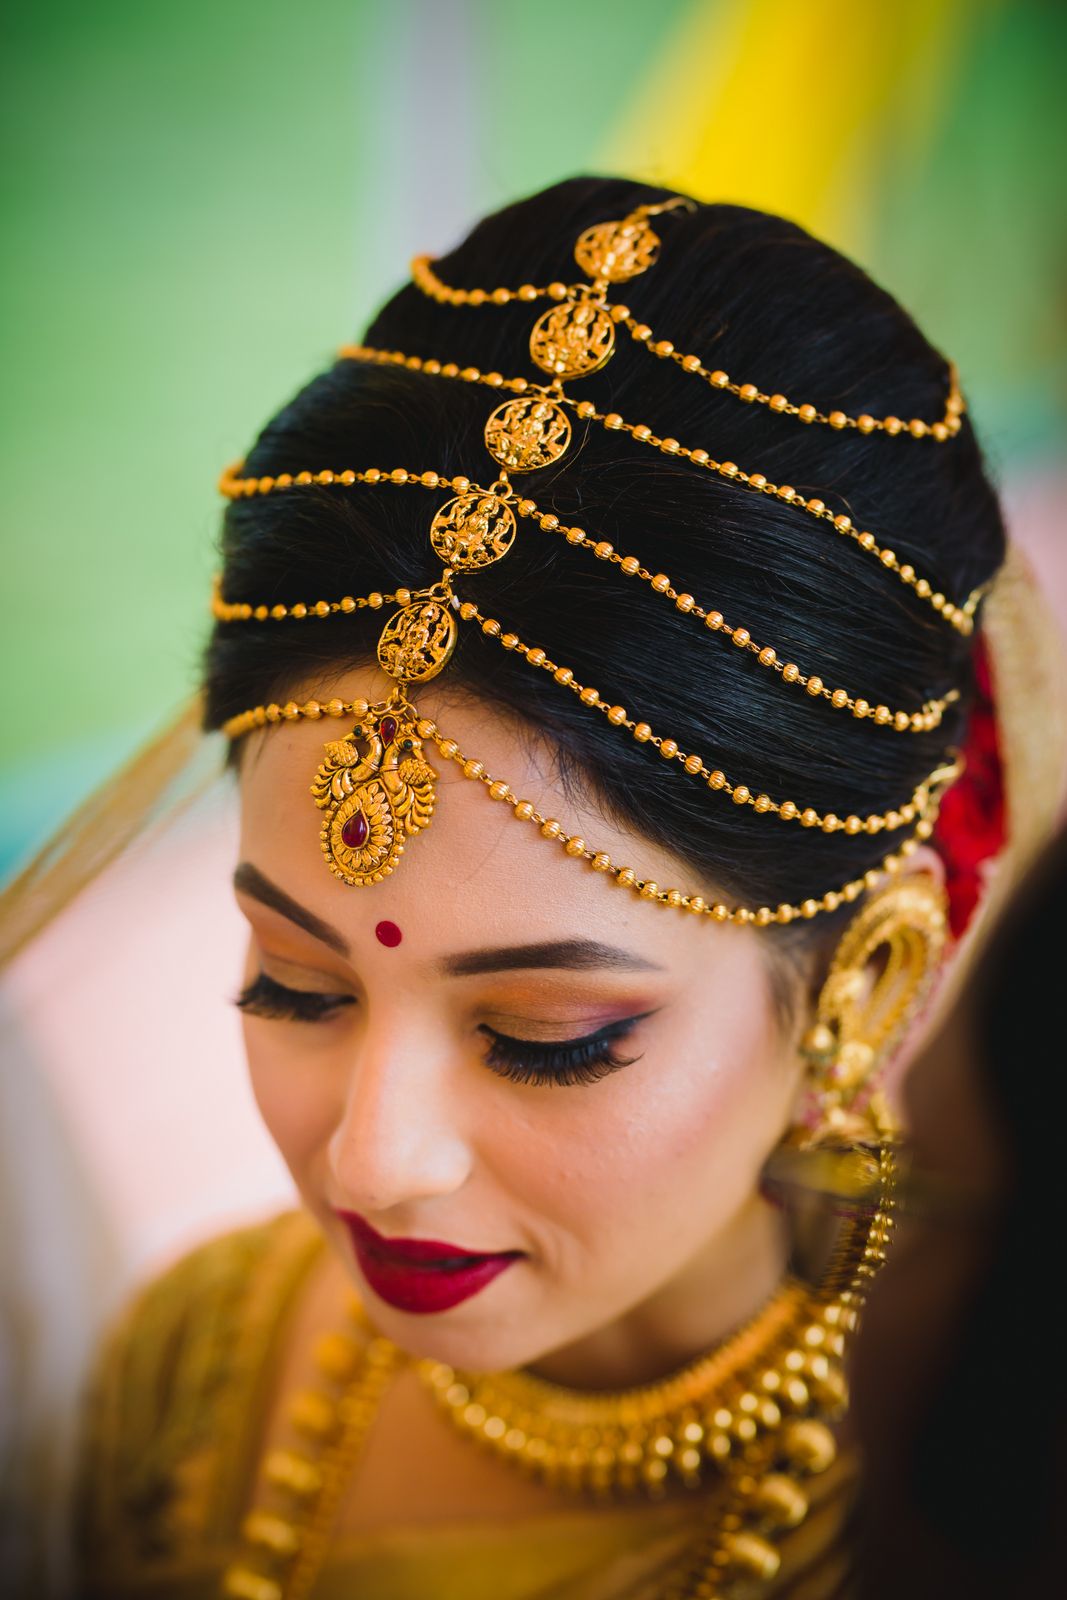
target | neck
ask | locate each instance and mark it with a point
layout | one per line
(717, 1291)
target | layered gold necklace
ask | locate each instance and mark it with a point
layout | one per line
(754, 1414)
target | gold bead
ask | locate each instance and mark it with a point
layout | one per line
(748, 392)
(716, 779)
(809, 817)
(810, 1444)
(563, 675)
(449, 749)
(719, 379)
(550, 828)
(741, 637)
(524, 810)
(603, 549)
(668, 748)
(617, 715)
(787, 810)
(662, 347)
(693, 764)
(837, 419)
(288, 1470)
(299, 610)
(690, 363)
(713, 620)
(271, 1532)
(337, 1355)
(790, 672)
(589, 696)
(892, 424)
(661, 582)
(575, 846)
(814, 685)
(839, 698)
(473, 768)
(499, 790)
(741, 795)
(768, 657)
(751, 1555)
(865, 422)
(649, 890)
(807, 413)
(642, 732)
(780, 1501)
(756, 480)
(601, 861)
(625, 876)
(778, 402)
(629, 565)
(816, 506)
(684, 602)
(241, 1583)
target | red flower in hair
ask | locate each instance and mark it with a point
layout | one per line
(971, 829)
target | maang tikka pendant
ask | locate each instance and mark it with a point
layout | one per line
(375, 785)
(376, 790)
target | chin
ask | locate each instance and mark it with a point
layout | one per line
(482, 1335)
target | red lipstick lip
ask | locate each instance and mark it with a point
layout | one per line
(422, 1275)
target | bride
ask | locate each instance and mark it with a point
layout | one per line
(658, 529)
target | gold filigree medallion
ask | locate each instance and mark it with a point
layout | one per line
(615, 251)
(472, 531)
(573, 339)
(377, 790)
(528, 433)
(416, 642)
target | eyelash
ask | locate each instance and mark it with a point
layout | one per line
(562, 1062)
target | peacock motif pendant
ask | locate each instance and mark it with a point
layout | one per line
(377, 790)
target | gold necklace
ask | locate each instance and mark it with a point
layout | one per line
(766, 1427)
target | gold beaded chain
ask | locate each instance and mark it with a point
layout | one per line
(553, 397)
(234, 487)
(740, 794)
(429, 283)
(575, 845)
(755, 1413)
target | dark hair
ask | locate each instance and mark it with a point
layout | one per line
(751, 293)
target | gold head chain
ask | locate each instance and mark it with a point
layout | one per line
(375, 786)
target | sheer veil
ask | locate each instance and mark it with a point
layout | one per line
(61, 1272)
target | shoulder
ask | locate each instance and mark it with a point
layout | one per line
(171, 1398)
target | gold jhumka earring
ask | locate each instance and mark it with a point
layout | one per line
(755, 1416)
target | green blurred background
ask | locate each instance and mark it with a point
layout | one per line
(200, 202)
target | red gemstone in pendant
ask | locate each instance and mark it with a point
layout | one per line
(387, 728)
(355, 831)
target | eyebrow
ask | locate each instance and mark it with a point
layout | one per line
(583, 955)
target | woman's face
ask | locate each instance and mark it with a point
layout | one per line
(440, 1095)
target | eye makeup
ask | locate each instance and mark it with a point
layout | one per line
(582, 1060)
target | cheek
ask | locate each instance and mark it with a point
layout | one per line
(674, 1142)
(295, 1094)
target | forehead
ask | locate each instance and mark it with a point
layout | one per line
(475, 874)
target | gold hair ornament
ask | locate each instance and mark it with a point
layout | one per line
(534, 431)
(576, 336)
(501, 505)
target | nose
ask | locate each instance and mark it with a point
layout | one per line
(398, 1137)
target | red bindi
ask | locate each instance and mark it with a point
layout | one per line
(388, 933)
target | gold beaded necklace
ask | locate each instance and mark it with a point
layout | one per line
(755, 1411)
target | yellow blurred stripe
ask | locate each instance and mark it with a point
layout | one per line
(785, 105)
